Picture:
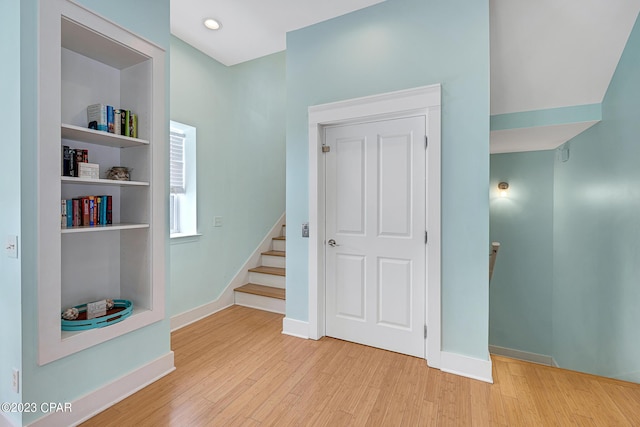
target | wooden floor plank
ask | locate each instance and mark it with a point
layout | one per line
(236, 368)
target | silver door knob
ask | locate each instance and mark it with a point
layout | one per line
(332, 243)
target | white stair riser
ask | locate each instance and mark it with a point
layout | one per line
(267, 279)
(273, 261)
(284, 230)
(260, 302)
(279, 245)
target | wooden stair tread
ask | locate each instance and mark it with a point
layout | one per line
(275, 253)
(275, 271)
(265, 291)
(280, 238)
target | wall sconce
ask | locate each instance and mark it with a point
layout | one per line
(503, 188)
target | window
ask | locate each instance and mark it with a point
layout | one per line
(182, 180)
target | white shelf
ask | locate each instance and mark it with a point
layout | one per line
(91, 136)
(88, 181)
(97, 228)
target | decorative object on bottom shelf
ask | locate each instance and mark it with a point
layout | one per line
(118, 173)
(117, 310)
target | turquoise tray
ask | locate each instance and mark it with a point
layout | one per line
(99, 322)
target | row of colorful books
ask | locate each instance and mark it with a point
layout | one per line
(113, 120)
(71, 157)
(88, 211)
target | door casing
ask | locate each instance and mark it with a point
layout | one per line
(425, 101)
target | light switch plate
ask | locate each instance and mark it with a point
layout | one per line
(305, 229)
(11, 247)
(217, 221)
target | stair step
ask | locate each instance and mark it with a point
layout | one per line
(265, 291)
(279, 243)
(275, 271)
(274, 259)
(275, 253)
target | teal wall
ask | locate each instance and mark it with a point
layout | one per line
(10, 272)
(71, 377)
(395, 45)
(521, 288)
(597, 235)
(239, 113)
(595, 241)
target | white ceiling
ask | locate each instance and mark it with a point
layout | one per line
(544, 53)
(251, 28)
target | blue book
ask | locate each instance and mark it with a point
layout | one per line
(69, 213)
(110, 119)
(104, 210)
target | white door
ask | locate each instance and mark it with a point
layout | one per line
(375, 234)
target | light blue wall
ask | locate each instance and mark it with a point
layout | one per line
(239, 113)
(521, 288)
(396, 45)
(597, 235)
(10, 272)
(78, 374)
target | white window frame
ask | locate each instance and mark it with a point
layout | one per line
(183, 202)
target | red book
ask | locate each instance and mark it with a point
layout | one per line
(85, 210)
(109, 211)
(77, 216)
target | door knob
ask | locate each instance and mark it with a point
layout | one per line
(332, 243)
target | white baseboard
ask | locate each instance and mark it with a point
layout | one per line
(108, 395)
(522, 355)
(6, 422)
(226, 299)
(295, 328)
(466, 366)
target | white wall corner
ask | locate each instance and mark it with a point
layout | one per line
(466, 366)
(522, 355)
(295, 328)
(108, 395)
(226, 299)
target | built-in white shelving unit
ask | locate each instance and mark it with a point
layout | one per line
(85, 59)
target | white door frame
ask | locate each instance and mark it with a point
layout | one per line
(424, 101)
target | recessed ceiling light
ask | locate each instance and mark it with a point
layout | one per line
(211, 24)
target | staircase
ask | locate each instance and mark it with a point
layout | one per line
(266, 287)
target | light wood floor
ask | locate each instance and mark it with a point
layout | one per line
(235, 368)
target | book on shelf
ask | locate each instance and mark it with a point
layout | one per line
(133, 125)
(86, 211)
(66, 160)
(117, 121)
(97, 117)
(63, 213)
(110, 119)
(125, 117)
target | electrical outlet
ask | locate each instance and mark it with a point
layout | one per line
(16, 381)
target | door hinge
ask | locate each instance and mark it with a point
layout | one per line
(426, 237)
(326, 148)
(425, 331)
(426, 141)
